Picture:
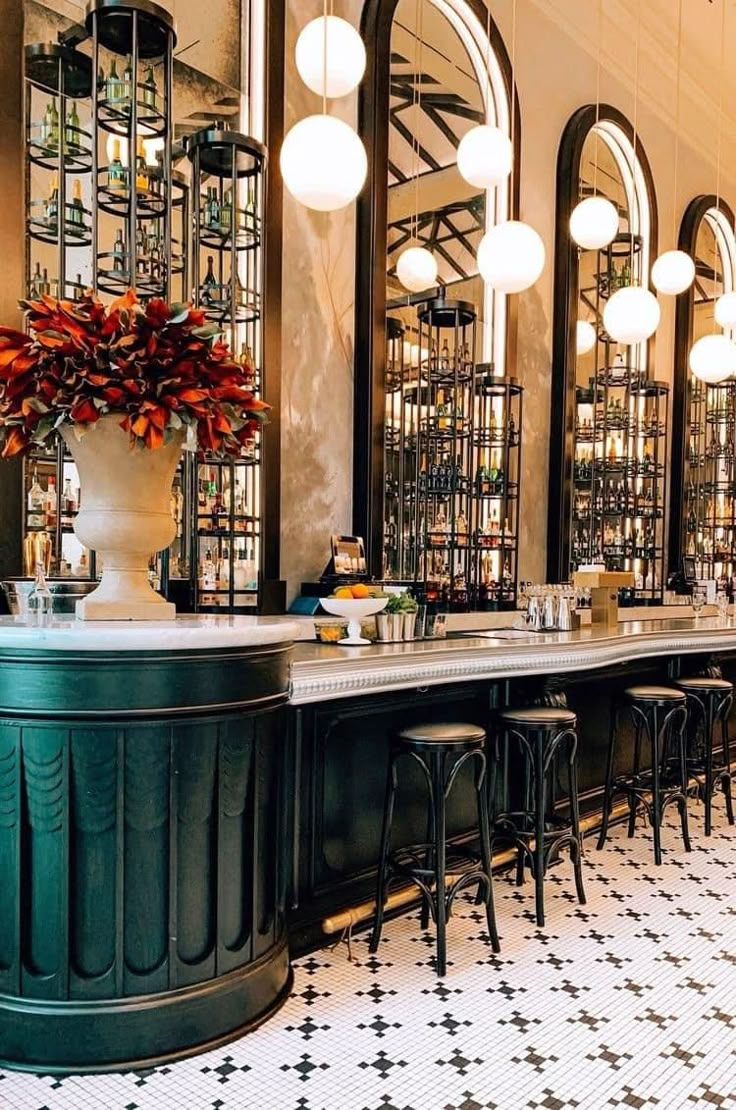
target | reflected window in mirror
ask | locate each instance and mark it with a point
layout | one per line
(703, 506)
(442, 373)
(608, 442)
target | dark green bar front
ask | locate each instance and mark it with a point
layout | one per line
(141, 890)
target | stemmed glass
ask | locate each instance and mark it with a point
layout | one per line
(698, 600)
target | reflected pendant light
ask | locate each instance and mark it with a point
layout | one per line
(585, 337)
(323, 160)
(594, 220)
(631, 315)
(725, 310)
(511, 254)
(713, 358)
(330, 56)
(416, 267)
(485, 154)
(674, 271)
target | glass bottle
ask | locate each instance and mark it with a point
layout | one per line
(71, 128)
(142, 179)
(150, 92)
(128, 87)
(51, 208)
(118, 252)
(210, 281)
(116, 170)
(36, 503)
(52, 136)
(76, 214)
(113, 83)
(40, 601)
(226, 211)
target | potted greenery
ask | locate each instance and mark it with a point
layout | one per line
(126, 385)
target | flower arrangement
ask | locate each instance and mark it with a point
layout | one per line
(161, 367)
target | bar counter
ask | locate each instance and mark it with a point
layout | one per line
(326, 671)
(348, 701)
(141, 852)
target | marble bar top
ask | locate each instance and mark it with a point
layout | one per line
(185, 633)
(322, 672)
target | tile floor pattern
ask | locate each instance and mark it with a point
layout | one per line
(627, 1002)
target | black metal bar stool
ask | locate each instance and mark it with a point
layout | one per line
(659, 715)
(538, 835)
(709, 702)
(441, 750)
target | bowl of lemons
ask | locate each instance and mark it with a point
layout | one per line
(354, 603)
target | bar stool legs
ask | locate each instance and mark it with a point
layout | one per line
(440, 751)
(659, 716)
(709, 702)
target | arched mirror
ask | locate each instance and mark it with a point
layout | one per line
(438, 69)
(609, 418)
(702, 502)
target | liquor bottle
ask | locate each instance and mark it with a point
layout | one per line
(461, 529)
(113, 85)
(76, 213)
(210, 282)
(45, 283)
(512, 428)
(209, 572)
(116, 173)
(50, 503)
(36, 282)
(213, 209)
(68, 504)
(250, 211)
(226, 210)
(52, 124)
(118, 252)
(36, 517)
(51, 207)
(441, 409)
(150, 92)
(142, 179)
(141, 242)
(128, 87)
(71, 129)
(444, 356)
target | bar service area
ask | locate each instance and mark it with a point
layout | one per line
(367, 554)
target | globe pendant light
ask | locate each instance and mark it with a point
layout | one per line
(594, 220)
(713, 358)
(585, 337)
(594, 223)
(330, 56)
(416, 269)
(631, 315)
(323, 163)
(511, 256)
(484, 156)
(725, 310)
(673, 272)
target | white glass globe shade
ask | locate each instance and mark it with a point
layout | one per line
(713, 358)
(416, 269)
(594, 223)
(323, 163)
(484, 156)
(725, 310)
(511, 256)
(585, 337)
(345, 56)
(673, 272)
(631, 315)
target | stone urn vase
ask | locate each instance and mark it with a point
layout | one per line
(125, 517)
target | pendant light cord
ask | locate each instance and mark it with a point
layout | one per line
(677, 127)
(634, 197)
(324, 59)
(512, 181)
(598, 98)
(722, 67)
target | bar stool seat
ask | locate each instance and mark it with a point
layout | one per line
(441, 733)
(540, 715)
(440, 749)
(659, 715)
(709, 702)
(541, 732)
(662, 695)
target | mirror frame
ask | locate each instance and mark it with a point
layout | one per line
(565, 314)
(681, 386)
(370, 269)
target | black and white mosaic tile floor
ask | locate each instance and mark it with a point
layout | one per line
(628, 1002)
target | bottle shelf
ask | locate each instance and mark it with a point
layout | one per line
(115, 113)
(218, 236)
(76, 157)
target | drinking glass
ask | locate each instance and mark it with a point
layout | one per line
(722, 603)
(698, 600)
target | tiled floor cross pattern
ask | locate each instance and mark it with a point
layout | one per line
(627, 1002)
